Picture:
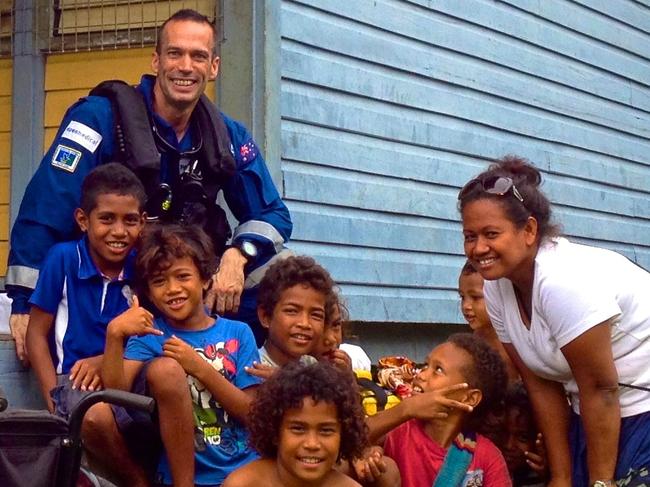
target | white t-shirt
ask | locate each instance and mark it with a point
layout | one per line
(358, 357)
(575, 288)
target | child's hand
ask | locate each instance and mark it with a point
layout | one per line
(537, 460)
(134, 321)
(85, 374)
(371, 466)
(339, 358)
(184, 354)
(435, 404)
(263, 371)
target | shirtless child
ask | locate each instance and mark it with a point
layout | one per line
(305, 418)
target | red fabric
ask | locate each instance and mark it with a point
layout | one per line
(419, 459)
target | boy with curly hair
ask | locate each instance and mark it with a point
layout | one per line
(296, 298)
(437, 444)
(201, 426)
(303, 420)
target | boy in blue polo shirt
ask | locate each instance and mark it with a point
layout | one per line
(81, 287)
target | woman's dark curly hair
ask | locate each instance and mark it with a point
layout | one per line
(486, 373)
(527, 179)
(287, 388)
(290, 272)
(161, 244)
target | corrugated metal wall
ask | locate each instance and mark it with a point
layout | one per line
(389, 106)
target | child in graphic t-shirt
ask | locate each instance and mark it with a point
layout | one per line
(192, 363)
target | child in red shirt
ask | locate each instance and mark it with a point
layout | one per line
(444, 450)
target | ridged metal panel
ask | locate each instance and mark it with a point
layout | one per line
(389, 106)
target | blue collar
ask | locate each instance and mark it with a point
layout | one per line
(88, 269)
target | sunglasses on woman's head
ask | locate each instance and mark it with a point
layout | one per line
(498, 185)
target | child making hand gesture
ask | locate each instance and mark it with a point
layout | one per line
(185, 346)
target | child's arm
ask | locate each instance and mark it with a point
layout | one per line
(117, 372)
(425, 405)
(40, 322)
(234, 400)
(552, 414)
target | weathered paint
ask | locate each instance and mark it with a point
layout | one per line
(388, 107)
(6, 69)
(62, 90)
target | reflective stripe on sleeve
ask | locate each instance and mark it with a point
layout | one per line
(20, 275)
(261, 229)
(255, 277)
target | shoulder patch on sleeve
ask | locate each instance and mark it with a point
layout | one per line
(82, 135)
(66, 158)
(248, 151)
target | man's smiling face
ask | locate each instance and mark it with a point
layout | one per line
(184, 65)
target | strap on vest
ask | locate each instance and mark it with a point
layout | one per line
(134, 141)
(134, 137)
(136, 148)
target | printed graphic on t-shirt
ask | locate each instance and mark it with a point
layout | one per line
(211, 420)
(473, 478)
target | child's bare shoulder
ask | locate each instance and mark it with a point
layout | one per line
(258, 473)
(338, 479)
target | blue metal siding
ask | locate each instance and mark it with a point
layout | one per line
(389, 106)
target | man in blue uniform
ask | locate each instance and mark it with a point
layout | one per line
(184, 61)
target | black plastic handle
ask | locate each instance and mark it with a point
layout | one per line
(112, 396)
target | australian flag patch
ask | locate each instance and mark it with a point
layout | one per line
(66, 158)
(248, 151)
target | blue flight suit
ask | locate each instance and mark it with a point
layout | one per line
(86, 139)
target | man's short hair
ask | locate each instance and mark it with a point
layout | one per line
(290, 272)
(187, 14)
(110, 178)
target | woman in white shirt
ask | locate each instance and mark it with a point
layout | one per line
(574, 319)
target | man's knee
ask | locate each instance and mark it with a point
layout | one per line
(166, 376)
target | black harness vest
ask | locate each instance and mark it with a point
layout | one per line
(191, 194)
